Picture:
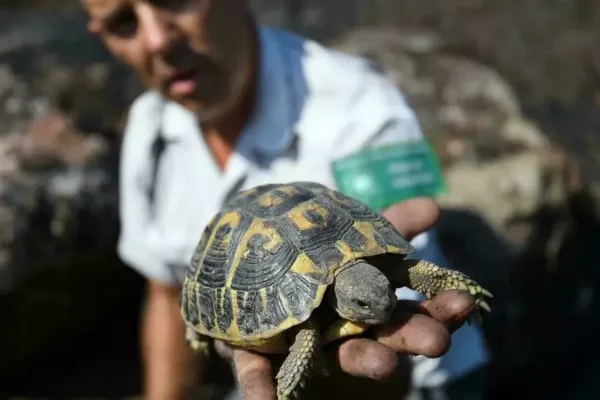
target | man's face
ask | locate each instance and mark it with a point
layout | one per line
(196, 52)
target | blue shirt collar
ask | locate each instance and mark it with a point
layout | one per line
(269, 132)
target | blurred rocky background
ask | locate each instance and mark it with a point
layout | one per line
(507, 92)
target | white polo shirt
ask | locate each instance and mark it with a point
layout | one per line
(314, 106)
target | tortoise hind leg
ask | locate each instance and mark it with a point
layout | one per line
(198, 343)
(430, 279)
(299, 365)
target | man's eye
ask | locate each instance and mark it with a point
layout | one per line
(172, 5)
(123, 26)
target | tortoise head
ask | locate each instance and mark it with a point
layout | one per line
(362, 293)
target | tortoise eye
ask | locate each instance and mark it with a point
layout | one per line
(361, 304)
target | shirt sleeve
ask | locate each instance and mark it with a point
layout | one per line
(388, 119)
(134, 204)
(397, 130)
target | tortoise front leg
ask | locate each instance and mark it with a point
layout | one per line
(431, 279)
(299, 365)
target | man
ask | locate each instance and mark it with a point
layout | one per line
(237, 105)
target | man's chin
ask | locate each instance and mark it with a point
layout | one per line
(204, 111)
(207, 107)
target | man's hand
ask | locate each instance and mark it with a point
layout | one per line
(422, 328)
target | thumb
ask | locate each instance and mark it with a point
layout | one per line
(413, 216)
(254, 374)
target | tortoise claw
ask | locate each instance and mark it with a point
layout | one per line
(483, 304)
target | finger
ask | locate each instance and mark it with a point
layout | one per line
(452, 308)
(413, 216)
(414, 334)
(424, 328)
(224, 351)
(254, 374)
(367, 358)
(410, 333)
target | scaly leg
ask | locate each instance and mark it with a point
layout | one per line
(197, 342)
(342, 328)
(299, 365)
(430, 279)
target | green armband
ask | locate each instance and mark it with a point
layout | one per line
(382, 176)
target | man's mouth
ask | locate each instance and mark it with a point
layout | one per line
(182, 83)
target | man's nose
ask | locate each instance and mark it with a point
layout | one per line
(157, 29)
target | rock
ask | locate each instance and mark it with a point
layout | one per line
(510, 188)
(59, 208)
(54, 176)
(63, 107)
(62, 110)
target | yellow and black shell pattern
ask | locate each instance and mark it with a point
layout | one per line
(265, 260)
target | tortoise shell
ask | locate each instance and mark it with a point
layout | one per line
(265, 260)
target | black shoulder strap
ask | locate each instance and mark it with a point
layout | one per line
(159, 144)
(156, 150)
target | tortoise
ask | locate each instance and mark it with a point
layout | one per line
(269, 258)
